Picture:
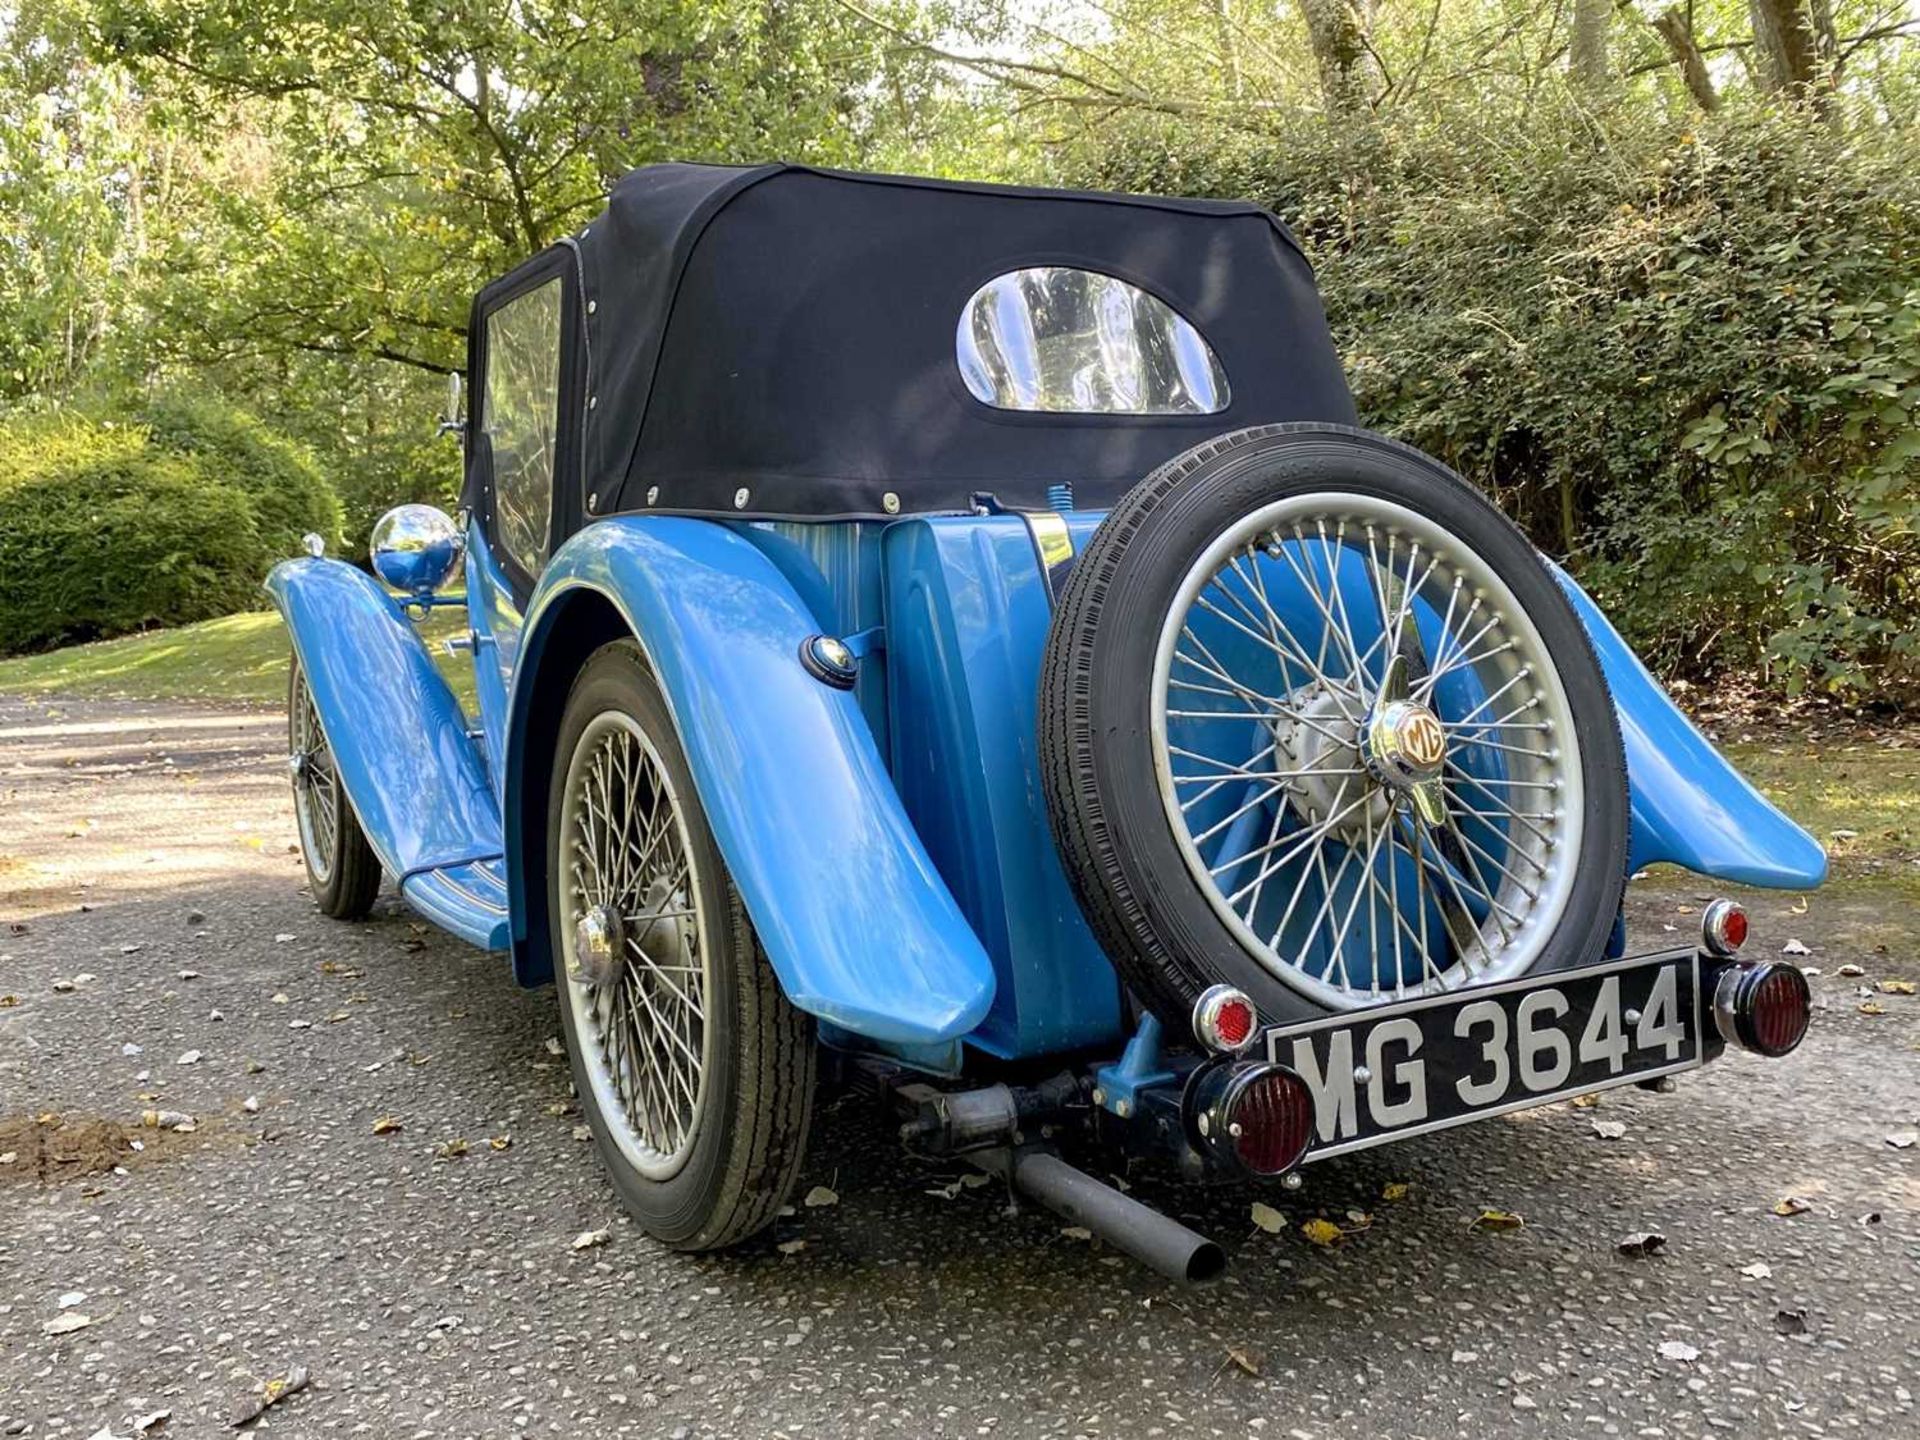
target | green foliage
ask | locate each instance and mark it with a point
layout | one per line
(1683, 354)
(109, 525)
(100, 533)
(285, 491)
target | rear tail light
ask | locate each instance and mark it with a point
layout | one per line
(1723, 929)
(1763, 1008)
(1256, 1117)
(1224, 1020)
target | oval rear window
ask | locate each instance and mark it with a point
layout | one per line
(1079, 342)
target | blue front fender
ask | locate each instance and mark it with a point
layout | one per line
(1690, 807)
(858, 924)
(398, 738)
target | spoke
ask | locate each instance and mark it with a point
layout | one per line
(1457, 653)
(1242, 769)
(1526, 818)
(1504, 748)
(1353, 907)
(1521, 674)
(1299, 839)
(1487, 855)
(1313, 593)
(1281, 630)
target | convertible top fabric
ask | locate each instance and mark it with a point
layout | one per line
(789, 333)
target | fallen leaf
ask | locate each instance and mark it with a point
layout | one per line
(1321, 1232)
(500, 1142)
(1794, 947)
(1585, 1102)
(1395, 1190)
(146, 1422)
(73, 1298)
(588, 1239)
(1268, 1218)
(1642, 1242)
(1903, 1139)
(388, 1125)
(1241, 1360)
(192, 1057)
(282, 938)
(251, 1407)
(1872, 1007)
(1850, 970)
(65, 1324)
(1792, 1205)
(1790, 1322)
(452, 1150)
(1896, 987)
(1076, 1232)
(1609, 1129)
(819, 1196)
(791, 1247)
(1678, 1350)
(1496, 1220)
(1759, 1270)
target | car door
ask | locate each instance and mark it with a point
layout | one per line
(522, 490)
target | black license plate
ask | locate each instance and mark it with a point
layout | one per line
(1426, 1064)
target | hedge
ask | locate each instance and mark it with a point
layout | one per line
(109, 525)
(1682, 351)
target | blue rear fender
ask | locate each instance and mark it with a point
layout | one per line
(859, 926)
(1690, 806)
(417, 783)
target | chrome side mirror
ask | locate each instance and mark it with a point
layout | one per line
(416, 549)
(450, 421)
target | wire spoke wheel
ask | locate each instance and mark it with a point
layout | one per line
(632, 904)
(1318, 722)
(316, 783)
(1361, 742)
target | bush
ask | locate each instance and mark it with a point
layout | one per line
(285, 489)
(102, 533)
(1683, 352)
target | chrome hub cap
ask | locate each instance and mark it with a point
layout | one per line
(598, 937)
(1365, 753)
(631, 899)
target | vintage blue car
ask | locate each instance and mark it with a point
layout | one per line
(959, 637)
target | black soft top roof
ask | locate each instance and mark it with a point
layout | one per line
(786, 335)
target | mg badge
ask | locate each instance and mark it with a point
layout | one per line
(1406, 742)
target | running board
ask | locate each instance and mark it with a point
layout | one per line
(469, 900)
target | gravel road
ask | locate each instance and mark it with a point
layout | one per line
(158, 954)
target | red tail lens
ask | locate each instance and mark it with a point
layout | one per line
(1779, 1011)
(1270, 1119)
(1764, 1008)
(1723, 928)
(1224, 1019)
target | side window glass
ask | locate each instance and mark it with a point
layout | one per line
(520, 414)
(1079, 342)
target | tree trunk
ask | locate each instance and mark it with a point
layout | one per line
(1678, 37)
(1789, 52)
(1340, 50)
(1587, 51)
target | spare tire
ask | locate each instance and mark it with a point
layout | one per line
(1318, 722)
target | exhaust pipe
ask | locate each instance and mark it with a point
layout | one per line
(1156, 1241)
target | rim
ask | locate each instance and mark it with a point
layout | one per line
(1365, 752)
(316, 783)
(639, 1007)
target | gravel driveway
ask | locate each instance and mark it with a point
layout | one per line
(384, 1187)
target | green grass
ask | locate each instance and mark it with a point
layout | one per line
(238, 657)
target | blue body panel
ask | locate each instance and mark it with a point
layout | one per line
(469, 900)
(858, 924)
(399, 740)
(1690, 807)
(967, 616)
(892, 844)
